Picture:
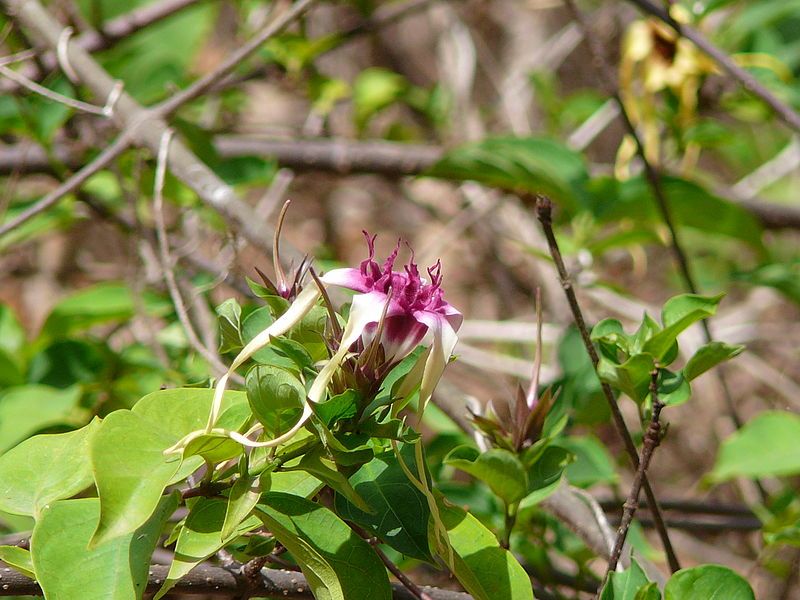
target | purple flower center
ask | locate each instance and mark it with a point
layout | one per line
(409, 291)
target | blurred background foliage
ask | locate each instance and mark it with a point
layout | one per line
(472, 105)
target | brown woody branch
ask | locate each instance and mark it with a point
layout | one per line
(208, 580)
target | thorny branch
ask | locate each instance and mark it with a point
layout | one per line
(544, 214)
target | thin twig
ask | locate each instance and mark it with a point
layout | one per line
(412, 587)
(102, 161)
(167, 262)
(544, 214)
(652, 437)
(654, 180)
(750, 83)
(205, 83)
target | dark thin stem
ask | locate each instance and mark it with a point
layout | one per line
(651, 439)
(412, 587)
(750, 83)
(544, 213)
(654, 180)
(702, 507)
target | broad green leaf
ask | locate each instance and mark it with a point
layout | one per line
(296, 483)
(90, 306)
(679, 313)
(213, 447)
(65, 363)
(710, 356)
(27, 409)
(67, 568)
(340, 406)
(255, 323)
(766, 446)
(486, 570)
(531, 165)
(229, 315)
(130, 471)
(544, 473)
(11, 372)
(501, 470)
(243, 498)
(178, 412)
(632, 377)
(592, 464)
(707, 582)
(45, 468)
(12, 335)
(337, 563)
(320, 466)
(18, 558)
(399, 512)
(276, 397)
(200, 537)
(690, 206)
(625, 585)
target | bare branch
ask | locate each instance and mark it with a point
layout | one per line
(208, 580)
(145, 126)
(544, 213)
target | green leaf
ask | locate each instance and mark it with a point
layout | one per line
(45, 468)
(679, 313)
(501, 470)
(65, 363)
(625, 585)
(707, 582)
(11, 372)
(486, 570)
(130, 471)
(177, 412)
(648, 592)
(213, 447)
(243, 498)
(296, 483)
(320, 466)
(337, 563)
(632, 377)
(340, 406)
(544, 472)
(200, 537)
(90, 306)
(12, 334)
(708, 357)
(276, 397)
(592, 464)
(532, 165)
(399, 512)
(67, 568)
(255, 323)
(230, 325)
(673, 388)
(18, 558)
(766, 446)
(375, 89)
(690, 205)
(27, 409)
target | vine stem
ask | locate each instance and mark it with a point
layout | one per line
(544, 208)
(651, 439)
